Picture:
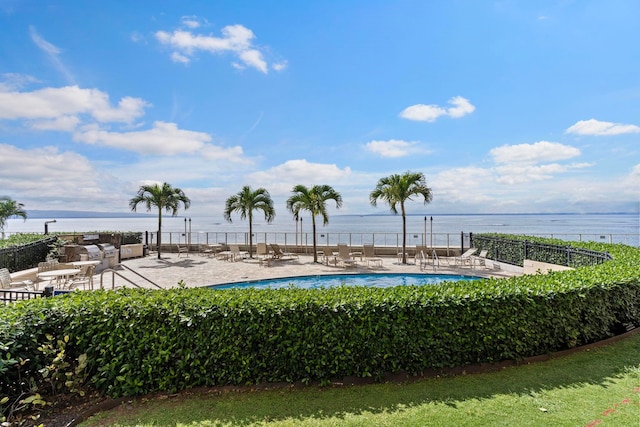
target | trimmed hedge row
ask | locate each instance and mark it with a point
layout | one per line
(140, 341)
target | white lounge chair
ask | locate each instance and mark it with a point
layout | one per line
(280, 254)
(263, 254)
(344, 256)
(465, 259)
(370, 256)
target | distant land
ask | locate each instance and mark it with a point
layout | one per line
(35, 214)
(53, 214)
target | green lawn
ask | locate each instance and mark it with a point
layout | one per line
(596, 387)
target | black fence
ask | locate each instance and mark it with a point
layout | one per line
(516, 251)
(23, 257)
(9, 296)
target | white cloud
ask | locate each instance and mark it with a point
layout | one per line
(600, 128)
(461, 107)
(190, 22)
(520, 174)
(53, 103)
(230, 154)
(391, 148)
(46, 178)
(163, 139)
(52, 53)
(542, 151)
(235, 39)
(429, 113)
(178, 57)
(14, 81)
(62, 123)
(283, 177)
(279, 66)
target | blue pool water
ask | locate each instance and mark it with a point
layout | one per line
(383, 280)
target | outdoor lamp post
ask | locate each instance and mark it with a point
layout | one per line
(46, 226)
(189, 231)
(430, 232)
(424, 235)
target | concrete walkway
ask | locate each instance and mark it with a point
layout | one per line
(196, 270)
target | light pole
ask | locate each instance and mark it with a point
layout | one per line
(46, 226)
(424, 235)
(431, 233)
(189, 231)
(185, 231)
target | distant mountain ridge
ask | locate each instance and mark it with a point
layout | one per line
(33, 214)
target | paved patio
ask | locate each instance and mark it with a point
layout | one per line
(197, 270)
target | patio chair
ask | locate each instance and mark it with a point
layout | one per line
(370, 256)
(183, 250)
(465, 259)
(236, 253)
(481, 259)
(344, 256)
(7, 283)
(85, 278)
(280, 254)
(263, 254)
(327, 256)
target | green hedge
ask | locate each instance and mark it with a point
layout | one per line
(140, 341)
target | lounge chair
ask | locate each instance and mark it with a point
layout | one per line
(328, 256)
(466, 258)
(481, 259)
(280, 254)
(7, 283)
(370, 256)
(263, 254)
(344, 256)
(236, 253)
(183, 250)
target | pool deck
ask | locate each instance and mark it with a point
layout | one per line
(197, 270)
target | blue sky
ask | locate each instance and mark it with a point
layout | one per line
(505, 106)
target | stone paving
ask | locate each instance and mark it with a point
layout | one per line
(197, 270)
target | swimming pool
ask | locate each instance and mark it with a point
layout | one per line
(382, 280)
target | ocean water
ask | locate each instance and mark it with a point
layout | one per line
(616, 228)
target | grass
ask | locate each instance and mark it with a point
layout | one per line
(595, 387)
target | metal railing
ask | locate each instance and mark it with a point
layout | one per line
(8, 296)
(23, 257)
(516, 251)
(125, 278)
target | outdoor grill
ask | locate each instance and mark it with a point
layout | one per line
(92, 252)
(110, 254)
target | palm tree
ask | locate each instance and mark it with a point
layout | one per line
(163, 197)
(396, 189)
(247, 201)
(314, 200)
(9, 208)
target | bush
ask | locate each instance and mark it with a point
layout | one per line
(140, 341)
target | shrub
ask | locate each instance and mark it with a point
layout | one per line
(140, 341)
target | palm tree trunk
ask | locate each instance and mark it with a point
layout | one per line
(159, 230)
(315, 251)
(250, 237)
(404, 235)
